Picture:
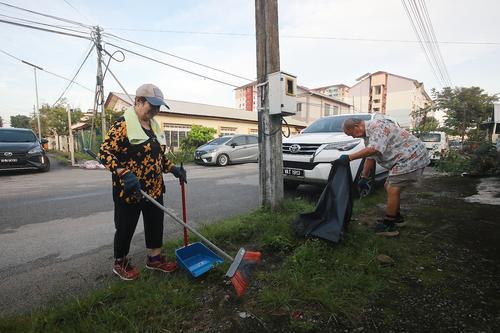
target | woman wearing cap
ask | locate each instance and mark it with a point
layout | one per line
(134, 151)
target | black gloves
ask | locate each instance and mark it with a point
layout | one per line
(180, 172)
(344, 160)
(131, 183)
(363, 184)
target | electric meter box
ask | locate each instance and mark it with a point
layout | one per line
(282, 93)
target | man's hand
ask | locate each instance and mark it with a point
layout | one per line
(180, 172)
(344, 160)
(131, 183)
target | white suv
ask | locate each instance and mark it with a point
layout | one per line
(307, 157)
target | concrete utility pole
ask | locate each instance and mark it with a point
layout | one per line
(100, 80)
(70, 141)
(268, 61)
(35, 67)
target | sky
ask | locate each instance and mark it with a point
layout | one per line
(316, 62)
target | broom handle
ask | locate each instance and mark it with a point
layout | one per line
(179, 221)
(184, 214)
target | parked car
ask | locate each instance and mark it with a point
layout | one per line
(436, 144)
(228, 149)
(307, 157)
(20, 149)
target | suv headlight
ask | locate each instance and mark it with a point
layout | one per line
(35, 150)
(343, 145)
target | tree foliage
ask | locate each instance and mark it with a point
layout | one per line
(197, 136)
(465, 108)
(20, 121)
(54, 120)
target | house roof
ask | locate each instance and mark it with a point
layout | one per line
(203, 110)
(312, 92)
(333, 85)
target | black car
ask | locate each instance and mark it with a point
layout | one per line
(20, 149)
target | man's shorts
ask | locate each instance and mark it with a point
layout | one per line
(406, 179)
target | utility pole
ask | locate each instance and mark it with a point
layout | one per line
(268, 61)
(100, 80)
(70, 141)
(35, 67)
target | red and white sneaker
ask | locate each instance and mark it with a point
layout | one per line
(124, 269)
(161, 264)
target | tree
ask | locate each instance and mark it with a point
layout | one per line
(55, 119)
(465, 108)
(197, 136)
(429, 124)
(20, 121)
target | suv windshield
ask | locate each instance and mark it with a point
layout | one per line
(332, 124)
(430, 137)
(219, 141)
(16, 136)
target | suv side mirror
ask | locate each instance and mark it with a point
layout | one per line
(234, 144)
(44, 141)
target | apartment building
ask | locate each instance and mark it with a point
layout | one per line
(337, 91)
(390, 94)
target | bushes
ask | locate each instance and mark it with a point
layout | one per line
(485, 160)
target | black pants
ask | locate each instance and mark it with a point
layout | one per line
(126, 218)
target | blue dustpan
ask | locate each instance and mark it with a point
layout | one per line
(197, 259)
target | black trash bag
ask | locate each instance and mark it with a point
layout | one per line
(333, 209)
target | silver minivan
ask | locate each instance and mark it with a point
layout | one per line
(228, 149)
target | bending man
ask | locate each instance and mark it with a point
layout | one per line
(394, 148)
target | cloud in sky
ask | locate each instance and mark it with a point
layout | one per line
(316, 62)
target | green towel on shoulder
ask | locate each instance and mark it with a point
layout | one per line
(136, 134)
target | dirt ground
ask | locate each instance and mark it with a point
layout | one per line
(459, 290)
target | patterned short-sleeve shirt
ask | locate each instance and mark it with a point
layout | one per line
(398, 150)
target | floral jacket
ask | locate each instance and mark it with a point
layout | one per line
(146, 160)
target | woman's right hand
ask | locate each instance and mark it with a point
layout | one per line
(130, 182)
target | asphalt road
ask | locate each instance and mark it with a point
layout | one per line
(56, 228)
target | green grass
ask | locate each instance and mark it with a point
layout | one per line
(319, 279)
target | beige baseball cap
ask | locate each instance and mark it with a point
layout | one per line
(152, 94)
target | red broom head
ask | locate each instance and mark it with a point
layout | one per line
(253, 257)
(240, 283)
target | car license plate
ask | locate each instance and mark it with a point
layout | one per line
(293, 172)
(8, 160)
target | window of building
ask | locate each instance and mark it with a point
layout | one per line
(227, 131)
(335, 110)
(376, 109)
(327, 109)
(376, 100)
(253, 131)
(299, 107)
(377, 90)
(175, 133)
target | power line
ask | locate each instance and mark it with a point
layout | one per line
(438, 79)
(48, 72)
(43, 29)
(233, 34)
(47, 15)
(74, 77)
(172, 66)
(45, 24)
(76, 10)
(178, 57)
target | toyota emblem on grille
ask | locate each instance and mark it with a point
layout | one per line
(7, 154)
(295, 148)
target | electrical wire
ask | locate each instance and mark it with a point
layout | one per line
(178, 57)
(45, 24)
(43, 29)
(48, 72)
(172, 66)
(47, 15)
(231, 34)
(74, 76)
(76, 10)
